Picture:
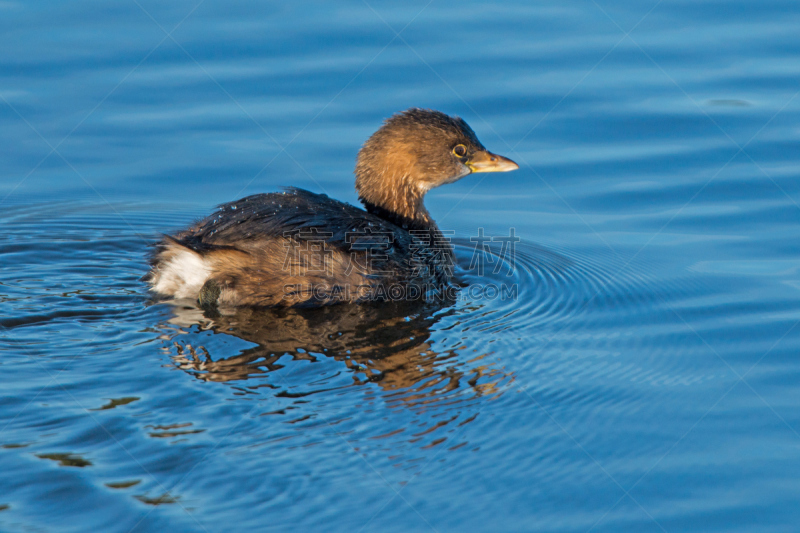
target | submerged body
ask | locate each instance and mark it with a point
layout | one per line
(298, 248)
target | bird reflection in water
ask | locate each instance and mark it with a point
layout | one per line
(386, 344)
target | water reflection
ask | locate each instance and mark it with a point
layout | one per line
(388, 344)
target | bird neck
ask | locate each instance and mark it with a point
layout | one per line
(409, 221)
(401, 203)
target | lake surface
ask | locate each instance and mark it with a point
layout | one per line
(644, 377)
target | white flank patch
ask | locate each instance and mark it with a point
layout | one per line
(183, 275)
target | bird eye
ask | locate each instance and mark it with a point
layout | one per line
(460, 150)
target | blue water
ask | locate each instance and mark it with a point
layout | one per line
(645, 377)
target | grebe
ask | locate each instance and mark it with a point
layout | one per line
(298, 248)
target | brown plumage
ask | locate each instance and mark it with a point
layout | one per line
(298, 248)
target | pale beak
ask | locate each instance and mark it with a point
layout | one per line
(488, 162)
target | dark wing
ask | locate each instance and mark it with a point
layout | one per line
(291, 214)
(268, 226)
